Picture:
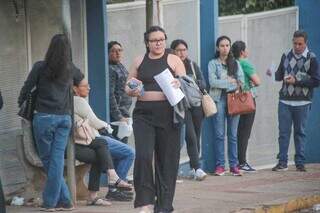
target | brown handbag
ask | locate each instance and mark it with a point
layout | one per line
(240, 102)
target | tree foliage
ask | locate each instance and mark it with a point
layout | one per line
(233, 7)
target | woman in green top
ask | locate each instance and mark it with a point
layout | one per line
(251, 80)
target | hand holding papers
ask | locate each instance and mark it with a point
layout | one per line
(165, 79)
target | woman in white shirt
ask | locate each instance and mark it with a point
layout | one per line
(96, 153)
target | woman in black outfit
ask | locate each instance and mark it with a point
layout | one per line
(194, 115)
(153, 127)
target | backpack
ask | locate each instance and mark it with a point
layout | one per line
(192, 93)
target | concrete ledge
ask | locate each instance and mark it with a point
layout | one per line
(290, 206)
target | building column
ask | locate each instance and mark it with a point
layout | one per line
(208, 31)
(308, 21)
(98, 74)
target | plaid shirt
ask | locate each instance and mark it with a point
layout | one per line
(119, 101)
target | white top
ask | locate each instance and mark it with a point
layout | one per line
(82, 110)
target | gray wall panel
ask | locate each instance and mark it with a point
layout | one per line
(180, 21)
(17, 41)
(45, 21)
(129, 33)
(12, 61)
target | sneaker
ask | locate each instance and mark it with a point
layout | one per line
(116, 195)
(64, 207)
(219, 171)
(146, 209)
(246, 168)
(279, 167)
(121, 189)
(301, 168)
(235, 171)
(200, 175)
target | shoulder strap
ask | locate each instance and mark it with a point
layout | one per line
(192, 68)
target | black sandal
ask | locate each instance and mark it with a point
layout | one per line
(118, 185)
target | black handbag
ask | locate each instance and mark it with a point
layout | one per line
(28, 106)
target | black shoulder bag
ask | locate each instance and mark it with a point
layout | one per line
(28, 106)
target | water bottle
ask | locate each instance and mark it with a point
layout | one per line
(133, 84)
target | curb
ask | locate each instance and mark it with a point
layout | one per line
(290, 206)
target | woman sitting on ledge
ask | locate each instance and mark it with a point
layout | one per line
(96, 153)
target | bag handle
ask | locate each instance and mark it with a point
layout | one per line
(192, 68)
(204, 92)
(243, 97)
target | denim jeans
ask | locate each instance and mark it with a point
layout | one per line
(51, 134)
(219, 120)
(122, 156)
(296, 115)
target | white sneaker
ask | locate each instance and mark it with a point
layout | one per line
(192, 174)
(146, 209)
(200, 175)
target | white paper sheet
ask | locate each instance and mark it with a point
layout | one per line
(164, 79)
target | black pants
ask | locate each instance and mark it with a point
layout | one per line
(154, 134)
(2, 200)
(244, 131)
(194, 117)
(97, 154)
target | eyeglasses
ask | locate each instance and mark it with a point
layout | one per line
(181, 50)
(155, 41)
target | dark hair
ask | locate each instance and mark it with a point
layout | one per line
(58, 58)
(151, 30)
(111, 44)
(300, 33)
(176, 43)
(237, 47)
(77, 79)
(232, 65)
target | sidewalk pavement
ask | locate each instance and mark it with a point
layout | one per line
(263, 191)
